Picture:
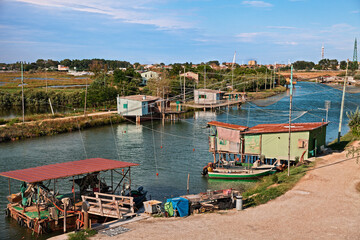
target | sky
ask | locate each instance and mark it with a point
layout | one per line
(177, 31)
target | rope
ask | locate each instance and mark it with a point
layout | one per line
(115, 141)
(82, 140)
(153, 136)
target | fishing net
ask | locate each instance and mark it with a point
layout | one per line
(349, 88)
(268, 101)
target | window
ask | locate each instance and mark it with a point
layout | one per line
(125, 105)
(202, 96)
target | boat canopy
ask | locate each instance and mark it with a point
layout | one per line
(66, 169)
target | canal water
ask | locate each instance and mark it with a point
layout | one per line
(173, 150)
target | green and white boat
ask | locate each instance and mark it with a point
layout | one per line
(239, 174)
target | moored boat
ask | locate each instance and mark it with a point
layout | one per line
(244, 174)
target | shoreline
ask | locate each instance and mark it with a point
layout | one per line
(327, 192)
(51, 126)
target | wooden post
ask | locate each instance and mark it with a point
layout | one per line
(99, 183)
(73, 192)
(86, 220)
(9, 186)
(65, 208)
(188, 181)
(112, 182)
(52, 110)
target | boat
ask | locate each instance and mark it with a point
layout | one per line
(239, 174)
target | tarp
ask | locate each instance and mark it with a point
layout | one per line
(181, 205)
(228, 134)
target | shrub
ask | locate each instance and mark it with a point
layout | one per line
(274, 178)
(354, 122)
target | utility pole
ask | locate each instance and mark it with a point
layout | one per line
(342, 101)
(265, 78)
(204, 76)
(86, 85)
(232, 72)
(184, 83)
(291, 88)
(22, 92)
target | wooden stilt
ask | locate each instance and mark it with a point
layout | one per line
(65, 209)
(73, 190)
(188, 182)
(9, 186)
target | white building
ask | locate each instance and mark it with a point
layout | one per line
(208, 96)
(147, 75)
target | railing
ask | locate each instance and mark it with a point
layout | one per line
(110, 205)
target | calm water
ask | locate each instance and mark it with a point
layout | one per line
(176, 158)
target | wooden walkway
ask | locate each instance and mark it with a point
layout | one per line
(217, 105)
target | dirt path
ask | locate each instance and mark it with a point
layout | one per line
(323, 205)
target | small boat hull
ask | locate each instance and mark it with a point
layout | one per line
(240, 175)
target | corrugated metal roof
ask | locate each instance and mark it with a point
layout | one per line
(141, 98)
(66, 169)
(277, 128)
(209, 91)
(227, 125)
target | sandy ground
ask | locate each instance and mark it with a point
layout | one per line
(323, 205)
(310, 75)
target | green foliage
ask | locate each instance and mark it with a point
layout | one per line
(302, 65)
(357, 77)
(264, 191)
(3, 121)
(343, 65)
(274, 178)
(81, 235)
(34, 97)
(127, 82)
(345, 141)
(354, 122)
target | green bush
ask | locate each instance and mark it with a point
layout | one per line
(274, 178)
(81, 235)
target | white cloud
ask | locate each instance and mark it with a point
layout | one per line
(287, 43)
(355, 11)
(250, 37)
(260, 4)
(128, 11)
(281, 27)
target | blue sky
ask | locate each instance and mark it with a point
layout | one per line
(169, 31)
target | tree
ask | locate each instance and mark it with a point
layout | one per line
(353, 66)
(302, 65)
(333, 64)
(354, 121)
(324, 63)
(343, 65)
(66, 62)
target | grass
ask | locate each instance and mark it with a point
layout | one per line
(271, 187)
(345, 141)
(58, 78)
(13, 132)
(266, 93)
(81, 235)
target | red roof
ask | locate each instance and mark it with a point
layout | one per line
(66, 169)
(227, 125)
(276, 128)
